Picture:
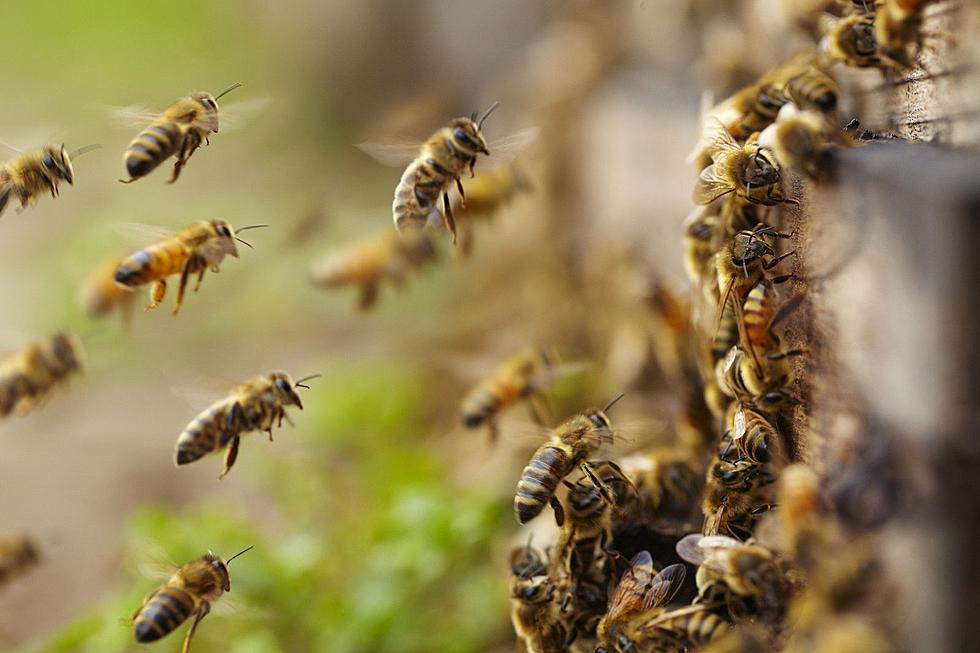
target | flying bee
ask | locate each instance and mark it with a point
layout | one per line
(179, 131)
(193, 250)
(251, 406)
(523, 376)
(800, 140)
(852, 41)
(440, 162)
(747, 577)
(733, 495)
(570, 445)
(190, 591)
(748, 170)
(18, 553)
(756, 439)
(31, 174)
(369, 263)
(534, 610)
(640, 592)
(29, 376)
(898, 28)
(100, 294)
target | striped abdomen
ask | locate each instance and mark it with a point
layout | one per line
(152, 263)
(813, 89)
(726, 336)
(538, 481)
(162, 614)
(760, 438)
(698, 628)
(489, 398)
(206, 433)
(417, 193)
(765, 107)
(152, 147)
(758, 311)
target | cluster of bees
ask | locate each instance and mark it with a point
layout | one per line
(615, 579)
(774, 569)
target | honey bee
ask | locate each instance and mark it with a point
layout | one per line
(640, 592)
(810, 87)
(30, 174)
(733, 495)
(386, 257)
(18, 553)
(570, 445)
(668, 483)
(190, 591)
(251, 406)
(800, 140)
(179, 131)
(193, 250)
(749, 170)
(521, 377)
(100, 294)
(701, 232)
(693, 626)
(764, 381)
(747, 577)
(534, 610)
(443, 158)
(898, 29)
(852, 41)
(29, 376)
(756, 439)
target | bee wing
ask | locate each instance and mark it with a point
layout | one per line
(698, 549)
(139, 234)
(738, 430)
(711, 185)
(629, 597)
(395, 154)
(238, 114)
(504, 149)
(133, 115)
(665, 586)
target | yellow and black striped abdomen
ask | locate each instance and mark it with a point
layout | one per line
(417, 194)
(758, 312)
(153, 146)
(152, 263)
(206, 433)
(488, 399)
(162, 614)
(538, 481)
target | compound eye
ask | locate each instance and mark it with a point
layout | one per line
(223, 231)
(48, 161)
(282, 385)
(599, 421)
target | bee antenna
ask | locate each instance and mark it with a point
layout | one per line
(299, 384)
(613, 402)
(245, 550)
(244, 242)
(227, 90)
(83, 150)
(251, 226)
(493, 107)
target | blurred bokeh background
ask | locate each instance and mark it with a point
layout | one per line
(378, 523)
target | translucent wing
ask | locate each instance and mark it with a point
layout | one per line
(139, 234)
(133, 115)
(697, 549)
(506, 148)
(718, 140)
(238, 114)
(665, 586)
(396, 154)
(738, 430)
(629, 598)
(710, 186)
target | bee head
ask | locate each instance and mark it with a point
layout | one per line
(862, 39)
(220, 567)
(466, 134)
(759, 170)
(209, 106)
(226, 236)
(532, 590)
(747, 246)
(57, 163)
(286, 388)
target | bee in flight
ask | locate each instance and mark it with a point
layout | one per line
(30, 174)
(570, 445)
(18, 553)
(386, 257)
(29, 376)
(254, 405)
(100, 295)
(178, 131)
(190, 591)
(193, 250)
(522, 376)
(440, 162)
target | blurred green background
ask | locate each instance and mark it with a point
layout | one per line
(378, 524)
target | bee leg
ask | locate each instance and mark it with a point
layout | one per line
(369, 296)
(447, 216)
(493, 431)
(604, 490)
(230, 456)
(200, 278)
(157, 292)
(198, 616)
(462, 195)
(559, 510)
(774, 262)
(190, 266)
